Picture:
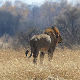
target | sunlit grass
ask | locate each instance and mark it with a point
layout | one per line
(14, 65)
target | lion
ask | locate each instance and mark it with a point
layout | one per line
(44, 42)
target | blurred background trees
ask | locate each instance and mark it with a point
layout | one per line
(21, 21)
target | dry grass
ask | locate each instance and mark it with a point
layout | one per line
(15, 66)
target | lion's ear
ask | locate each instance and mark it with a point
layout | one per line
(56, 30)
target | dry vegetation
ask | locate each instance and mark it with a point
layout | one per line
(15, 66)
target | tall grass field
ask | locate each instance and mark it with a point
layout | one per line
(65, 65)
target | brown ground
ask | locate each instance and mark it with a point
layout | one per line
(15, 66)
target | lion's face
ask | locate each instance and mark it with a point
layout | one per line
(57, 33)
(54, 32)
(59, 39)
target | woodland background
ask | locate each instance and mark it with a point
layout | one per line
(20, 21)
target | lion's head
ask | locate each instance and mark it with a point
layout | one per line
(58, 35)
(54, 32)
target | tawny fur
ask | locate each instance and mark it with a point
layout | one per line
(46, 41)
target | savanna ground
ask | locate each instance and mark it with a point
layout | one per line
(14, 65)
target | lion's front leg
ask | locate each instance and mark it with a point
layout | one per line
(42, 57)
(50, 53)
